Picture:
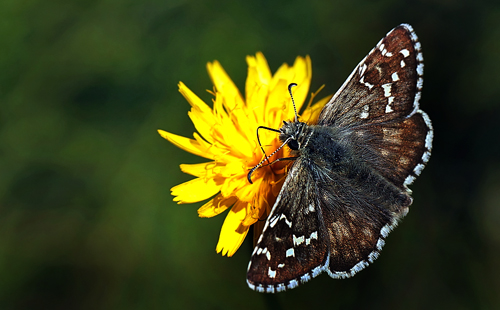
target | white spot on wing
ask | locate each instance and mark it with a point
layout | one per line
(250, 285)
(430, 133)
(358, 267)
(428, 139)
(373, 256)
(280, 288)
(364, 113)
(409, 180)
(293, 284)
(395, 77)
(385, 231)
(381, 47)
(313, 235)
(290, 252)
(405, 52)
(362, 81)
(362, 70)
(418, 169)
(305, 278)
(380, 243)
(387, 89)
(339, 275)
(418, 95)
(316, 271)
(273, 221)
(298, 241)
(311, 208)
(426, 156)
(420, 83)
(271, 273)
(289, 223)
(420, 69)
(388, 108)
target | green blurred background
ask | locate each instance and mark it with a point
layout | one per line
(86, 216)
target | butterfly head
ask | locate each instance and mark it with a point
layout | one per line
(293, 134)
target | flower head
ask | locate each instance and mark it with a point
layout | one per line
(226, 135)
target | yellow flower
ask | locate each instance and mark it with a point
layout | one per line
(227, 137)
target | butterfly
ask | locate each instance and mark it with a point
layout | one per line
(347, 187)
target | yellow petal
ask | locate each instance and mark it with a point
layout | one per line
(216, 206)
(218, 153)
(201, 114)
(251, 219)
(262, 68)
(233, 168)
(258, 208)
(204, 124)
(233, 133)
(258, 104)
(202, 170)
(258, 79)
(195, 190)
(312, 113)
(279, 100)
(194, 100)
(244, 190)
(234, 183)
(303, 75)
(280, 104)
(233, 233)
(225, 86)
(190, 145)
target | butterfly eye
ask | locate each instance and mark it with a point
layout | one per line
(293, 144)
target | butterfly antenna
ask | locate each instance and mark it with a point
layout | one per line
(249, 176)
(293, 102)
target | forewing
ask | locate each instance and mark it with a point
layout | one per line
(292, 247)
(383, 87)
(378, 109)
